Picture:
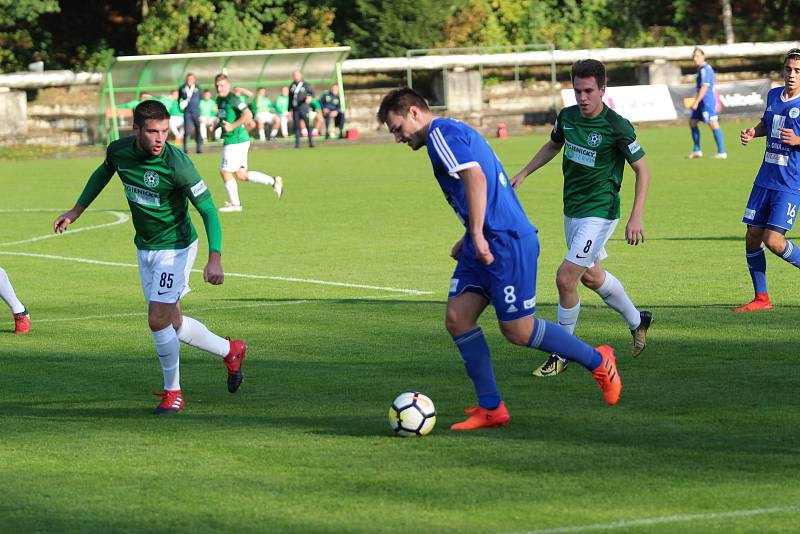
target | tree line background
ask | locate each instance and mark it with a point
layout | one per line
(85, 35)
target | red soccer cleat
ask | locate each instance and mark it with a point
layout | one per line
(483, 418)
(607, 376)
(22, 322)
(761, 302)
(171, 402)
(233, 361)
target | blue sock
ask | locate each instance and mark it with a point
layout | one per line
(791, 254)
(478, 362)
(757, 263)
(718, 139)
(696, 138)
(553, 339)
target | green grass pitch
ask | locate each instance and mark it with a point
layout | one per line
(706, 437)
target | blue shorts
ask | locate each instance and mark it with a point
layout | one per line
(705, 113)
(768, 208)
(509, 282)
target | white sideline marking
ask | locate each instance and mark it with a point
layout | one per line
(410, 292)
(664, 519)
(121, 218)
(192, 310)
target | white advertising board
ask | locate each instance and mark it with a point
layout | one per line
(637, 103)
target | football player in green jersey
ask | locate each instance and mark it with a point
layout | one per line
(596, 142)
(233, 114)
(159, 181)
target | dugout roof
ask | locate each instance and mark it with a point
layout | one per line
(130, 76)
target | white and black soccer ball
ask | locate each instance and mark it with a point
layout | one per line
(412, 414)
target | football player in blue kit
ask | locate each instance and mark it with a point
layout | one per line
(704, 108)
(772, 207)
(496, 257)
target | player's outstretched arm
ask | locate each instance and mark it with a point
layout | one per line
(97, 181)
(63, 221)
(542, 157)
(634, 230)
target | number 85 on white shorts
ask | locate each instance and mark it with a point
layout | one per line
(165, 273)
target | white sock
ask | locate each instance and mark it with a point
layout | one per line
(273, 133)
(169, 355)
(261, 135)
(613, 294)
(568, 317)
(260, 178)
(285, 127)
(233, 191)
(8, 295)
(194, 333)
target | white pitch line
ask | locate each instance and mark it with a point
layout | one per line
(688, 518)
(410, 292)
(121, 218)
(215, 308)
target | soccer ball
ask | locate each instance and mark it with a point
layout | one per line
(412, 414)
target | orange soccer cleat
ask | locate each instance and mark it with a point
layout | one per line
(483, 418)
(233, 361)
(607, 376)
(22, 322)
(761, 302)
(171, 402)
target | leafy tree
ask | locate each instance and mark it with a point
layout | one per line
(375, 28)
(22, 40)
(474, 24)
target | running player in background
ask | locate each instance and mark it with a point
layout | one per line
(597, 142)
(704, 108)
(159, 182)
(772, 207)
(22, 319)
(496, 257)
(233, 115)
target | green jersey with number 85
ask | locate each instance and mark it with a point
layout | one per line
(595, 152)
(158, 189)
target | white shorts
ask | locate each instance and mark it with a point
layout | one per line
(265, 117)
(176, 125)
(587, 238)
(234, 156)
(165, 273)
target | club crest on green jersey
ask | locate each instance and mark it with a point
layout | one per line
(594, 139)
(151, 179)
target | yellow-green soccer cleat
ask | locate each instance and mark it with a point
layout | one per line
(640, 333)
(554, 365)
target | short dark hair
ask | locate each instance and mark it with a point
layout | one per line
(589, 68)
(400, 101)
(698, 49)
(221, 76)
(149, 109)
(794, 53)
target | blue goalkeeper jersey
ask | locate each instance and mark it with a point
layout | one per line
(780, 169)
(705, 76)
(454, 146)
